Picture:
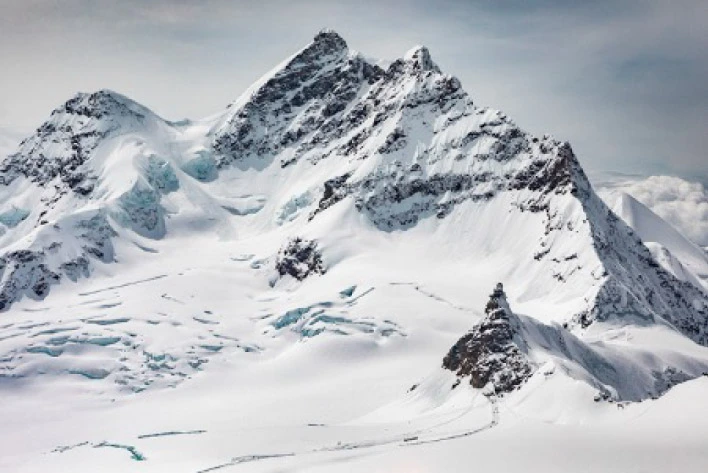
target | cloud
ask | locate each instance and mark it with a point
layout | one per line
(682, 203)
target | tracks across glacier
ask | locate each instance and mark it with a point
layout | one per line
(413, 438)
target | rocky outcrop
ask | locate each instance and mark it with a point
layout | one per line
(504, 350)
(24, 272)
(299, 258)
(61, 146)
(493, 353)
(31, 272)
(299, 100)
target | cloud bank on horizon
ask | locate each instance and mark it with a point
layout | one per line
(682, 203)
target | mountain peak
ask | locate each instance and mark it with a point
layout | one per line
(498, 305)
(493, 352)
(101, 103)
(328, 40)
(419, 58)
(61, 146)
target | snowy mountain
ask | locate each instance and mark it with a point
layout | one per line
(341, 220)
(681, 203)
(676, 253)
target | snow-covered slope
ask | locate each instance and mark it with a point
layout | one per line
(339, 219)
(676, 253)
(680, 202)
(506, 350)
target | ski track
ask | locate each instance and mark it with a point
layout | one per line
(171, 433)
(120, 286)
(431, 295)
(406, 440)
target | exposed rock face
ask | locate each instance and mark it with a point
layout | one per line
(298, 100)
(435, 148)
(638, 287)
(493, 352)
(31, 272)
(61, 146)
(24, 272)
(504, 350)
(299, 258)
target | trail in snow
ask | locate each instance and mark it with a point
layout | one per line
(467, 433)
(431, 295)
(119, 286)
(246, 459)
(412, 438)
(171, 433)
(405, 440)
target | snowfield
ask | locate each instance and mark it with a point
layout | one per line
(276, 288)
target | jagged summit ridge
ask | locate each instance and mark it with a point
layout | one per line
(330, 39)
(322, 92)
(102, 103)
(419, 57)
(400, 146)
(63, 144)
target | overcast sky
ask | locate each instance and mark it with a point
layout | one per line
(626, 82)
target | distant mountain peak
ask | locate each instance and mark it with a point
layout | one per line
(325, 45)
(61, 146)
(419, 57)
(329, 37)
(101, 103)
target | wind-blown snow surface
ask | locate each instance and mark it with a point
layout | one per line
(260, 290)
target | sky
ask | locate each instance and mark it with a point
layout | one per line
(626, 82)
